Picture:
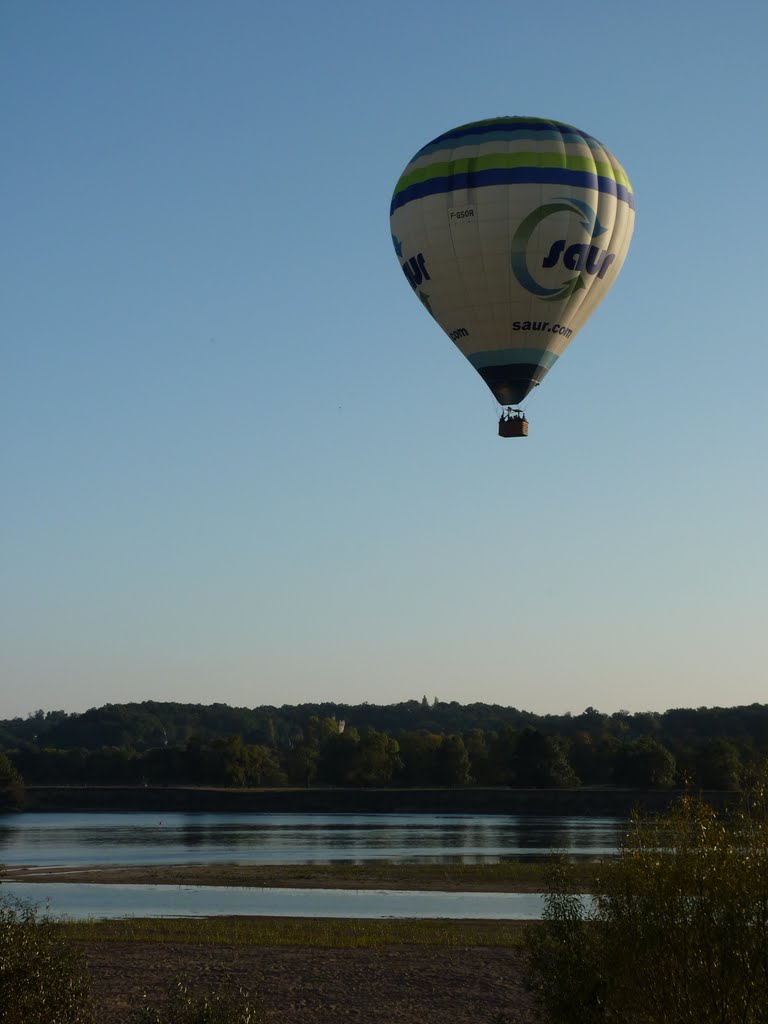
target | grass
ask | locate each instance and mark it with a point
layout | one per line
(326, 933)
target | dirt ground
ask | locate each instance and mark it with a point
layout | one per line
(395, 985)
(306, 985)
(294, 876)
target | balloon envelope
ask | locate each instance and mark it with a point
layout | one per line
(511, 231)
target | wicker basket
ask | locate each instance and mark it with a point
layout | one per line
(514, 426)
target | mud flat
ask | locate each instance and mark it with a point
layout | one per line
(391, 985)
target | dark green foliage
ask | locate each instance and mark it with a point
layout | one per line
(45, 764)
(229, 762)
(154, 724)
(501, 762)
(644, 763)
(42, 979)
(32, 729)
(428, 759)
(184, 1006)
(540, 761)
(477, 752)
(377, 761)
(593, 758)
(348, 759)
(11, 786)
(418, 753)
(452, 768)
(678, 932)
(180, 744)
(337, 758)
(713, 764)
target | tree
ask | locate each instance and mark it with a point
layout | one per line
(163, 766)
(301, 764)
(501, 756)
(452, 762)
(644, 763)
(593, 758)
(540, 761)
(307, 756)
(262, 767)
(11, 786)
(715, 764)
(112, 765)
(677, 932)
(477, 751)
(418, 755)
(230, 762)
(377, 760)
(319, 730)
(592, 720)
(338, 758)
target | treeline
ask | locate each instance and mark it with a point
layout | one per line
(416, 743)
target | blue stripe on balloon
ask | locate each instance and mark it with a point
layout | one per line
(540, 128)
(513, 176)
(509, 356)
(504, 135)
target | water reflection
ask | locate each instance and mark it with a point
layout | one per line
(135, 838)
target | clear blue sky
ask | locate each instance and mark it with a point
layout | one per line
(240, 464)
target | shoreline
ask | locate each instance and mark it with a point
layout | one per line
(503, 877)
(579, 802)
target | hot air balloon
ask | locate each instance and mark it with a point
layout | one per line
(511, 231)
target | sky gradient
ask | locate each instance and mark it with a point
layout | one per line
(238, 461)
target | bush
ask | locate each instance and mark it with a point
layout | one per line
(677, 932)
(11, 786)
(184, 1007)
(42, 981)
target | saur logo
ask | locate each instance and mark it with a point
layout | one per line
(580, 256)
(415, 269)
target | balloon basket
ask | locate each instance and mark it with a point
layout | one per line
(513, 425)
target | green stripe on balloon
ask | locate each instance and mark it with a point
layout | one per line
(502, 161)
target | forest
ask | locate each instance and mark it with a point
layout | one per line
(411, 744)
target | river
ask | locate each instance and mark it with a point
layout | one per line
(77, 840)
(78, 901)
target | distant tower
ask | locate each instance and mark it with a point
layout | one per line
(342, 723)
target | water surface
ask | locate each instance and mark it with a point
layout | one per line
(78, 901)
(134, 838)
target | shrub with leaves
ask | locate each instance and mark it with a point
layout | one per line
(677, 931)
(11, 786)
(42, 980)
(186, 1007)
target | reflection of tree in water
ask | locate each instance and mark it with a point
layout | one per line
(577, 835)
(450, 836)
(193, 836)
(494, 835)
(462, 838)
(302, 838)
